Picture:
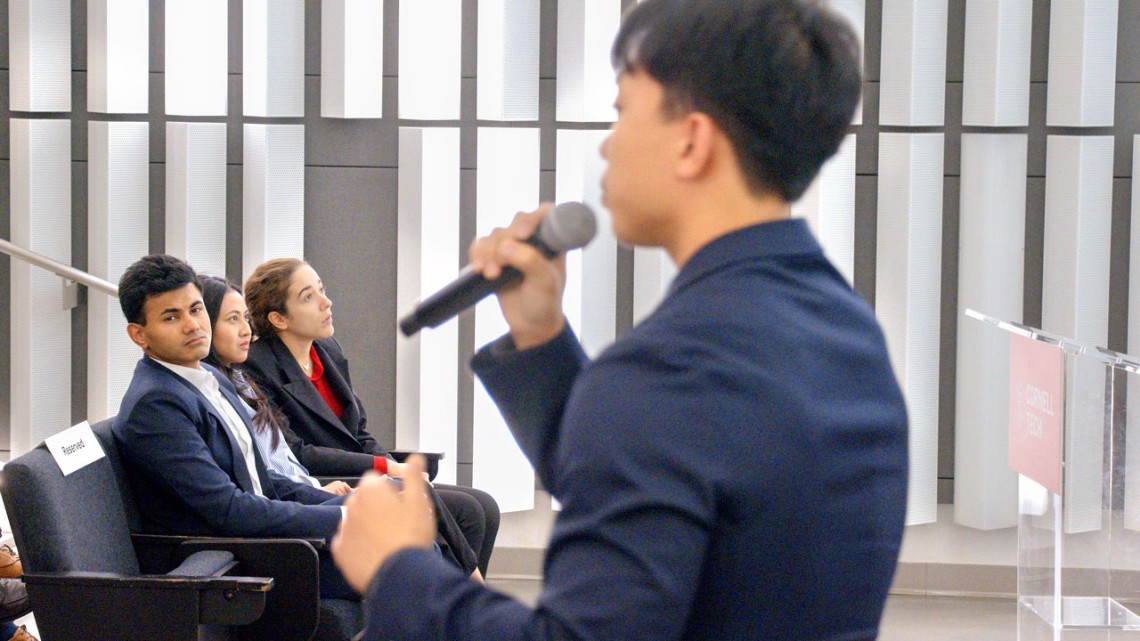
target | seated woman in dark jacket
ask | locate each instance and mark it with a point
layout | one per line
(304, 374)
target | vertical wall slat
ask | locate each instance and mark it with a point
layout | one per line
(1082, 63)
(118, 46)
(995, 91)
(41, 324)
(506, 182)
(427, 364)
(196, 194)
(39, 55)
(908, 294)
(273, 58)
(829, 207)
(912, 87)
(430, 35)
(197, 55)
(273, 193)
(352, 58)
(586, 29)
(1074, 302)
(991, 280)
(118, 222)
(508, 60)
(591, 290)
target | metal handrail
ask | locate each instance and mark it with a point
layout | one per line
(64, 271)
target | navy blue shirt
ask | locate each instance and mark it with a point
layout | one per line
(734, 467)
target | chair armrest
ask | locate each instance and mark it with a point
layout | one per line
(293, 608)
(433, 459)
(350, 480)
(104, 605)
(159, 553)
(150, 581)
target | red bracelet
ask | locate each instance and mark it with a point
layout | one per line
(380, 464)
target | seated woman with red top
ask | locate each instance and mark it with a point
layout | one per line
(303, 372)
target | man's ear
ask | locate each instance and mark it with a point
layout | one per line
(278, 320)
(137, 334)
(699, 140)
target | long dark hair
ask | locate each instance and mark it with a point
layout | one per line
(265, 416)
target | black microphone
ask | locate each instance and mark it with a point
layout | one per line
(568, 226)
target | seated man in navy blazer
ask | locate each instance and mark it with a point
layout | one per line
(186, 444)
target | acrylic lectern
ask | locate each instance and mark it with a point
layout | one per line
(1078, 533)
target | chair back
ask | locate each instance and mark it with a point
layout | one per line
(68, 523)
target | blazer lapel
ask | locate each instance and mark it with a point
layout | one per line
(302, 389)
(351, 418)
(239, 471)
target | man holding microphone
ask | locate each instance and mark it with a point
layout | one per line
(734, 467)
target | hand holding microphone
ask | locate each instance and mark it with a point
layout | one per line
(506, 256)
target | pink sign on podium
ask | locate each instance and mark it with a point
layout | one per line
(1036, 410)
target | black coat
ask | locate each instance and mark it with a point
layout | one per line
(323, 443)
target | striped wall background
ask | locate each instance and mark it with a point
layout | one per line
(990, 166)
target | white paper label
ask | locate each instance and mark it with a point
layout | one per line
(75, 448)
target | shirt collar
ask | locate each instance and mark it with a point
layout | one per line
(318, 366)
(778, 238)
(199, 378)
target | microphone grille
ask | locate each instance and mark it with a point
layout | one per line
(571, 225)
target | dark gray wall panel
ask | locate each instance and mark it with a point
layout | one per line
(339, 142)
(1118, 262)
(1127, 44)
(350, 239)
(6, 287)
(5, 115)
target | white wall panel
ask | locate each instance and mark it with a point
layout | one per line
(995, 90)
(653, 273)
(912, 87)
(591, 286)
(586, 30)
(273, 194)
(430, 35)
(273, 58)
(118, 227)
(41, 323)
(118, 52)
(197, 54)
(1074, 302)
(352, 58)
(991, 279)
(508, 60)
(1082, 63)
(829, 207)
(196, 194)
(507, 182)
(427, 364)
(39, 55)
(855, 11)
(908, 295)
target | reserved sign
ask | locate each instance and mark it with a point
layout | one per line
(74, 448)
(1036, 410)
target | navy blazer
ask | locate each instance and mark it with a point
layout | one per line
(187, 473)
(323, 443)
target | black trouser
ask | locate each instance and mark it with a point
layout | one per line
(477, 515)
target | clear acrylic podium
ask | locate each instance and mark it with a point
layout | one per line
(1078, 566)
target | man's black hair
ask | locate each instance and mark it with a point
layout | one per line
(150, 276)
(781, 78)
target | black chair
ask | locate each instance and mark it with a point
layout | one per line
(92, 575)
